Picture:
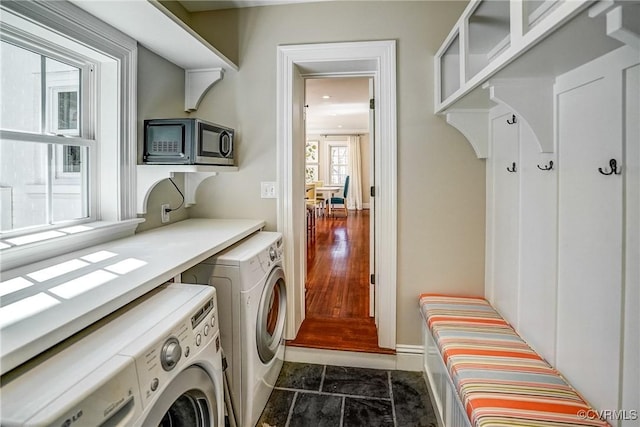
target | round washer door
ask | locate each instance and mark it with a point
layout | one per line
(188, 401)
(271, 315)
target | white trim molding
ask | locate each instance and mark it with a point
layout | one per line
(373, 58)
(407, 358)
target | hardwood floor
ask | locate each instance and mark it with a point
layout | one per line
(337, 297)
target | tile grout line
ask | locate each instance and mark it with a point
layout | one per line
(326, 393)
(393, 406)
(324, 373)
(290, 414)
(342, 411)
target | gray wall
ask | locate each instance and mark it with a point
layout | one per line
(160, 95)
(441, 190)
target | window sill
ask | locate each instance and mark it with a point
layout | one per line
(16, 252)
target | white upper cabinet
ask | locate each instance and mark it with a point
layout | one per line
(495, 39)
(536, 10)
(488, 34)
(450, 65)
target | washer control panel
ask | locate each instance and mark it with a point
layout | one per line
(158, 362)
(271, 255)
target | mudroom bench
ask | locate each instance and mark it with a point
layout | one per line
(481, 373)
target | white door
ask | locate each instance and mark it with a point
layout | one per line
(372, 204)
(296, 301)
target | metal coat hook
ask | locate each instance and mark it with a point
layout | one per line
(546, 168)
(513, 120)
(513, 167)
(614, 168)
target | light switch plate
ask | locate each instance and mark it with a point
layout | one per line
(268, 190)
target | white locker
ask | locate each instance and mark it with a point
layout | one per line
(505, 211)
(590, 115)
(538, 246)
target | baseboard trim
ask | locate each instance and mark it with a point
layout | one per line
(407, 358)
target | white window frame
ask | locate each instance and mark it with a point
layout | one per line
(114, 171)
(328, 147)
(59, 181)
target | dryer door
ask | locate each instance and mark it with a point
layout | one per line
(271, 315)
(188, 401)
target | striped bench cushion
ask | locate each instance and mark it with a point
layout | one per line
(501, 381)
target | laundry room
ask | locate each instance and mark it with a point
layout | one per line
(162, 257)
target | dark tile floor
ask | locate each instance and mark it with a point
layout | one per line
(308, 395)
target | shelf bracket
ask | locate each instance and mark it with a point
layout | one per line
(530, 99)
(196, 85)
(191, 183)
(623, 20)
(474, 125)
(150, 175)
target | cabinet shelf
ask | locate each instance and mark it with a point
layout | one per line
(150, 175)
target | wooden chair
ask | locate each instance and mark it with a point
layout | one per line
(311, 200)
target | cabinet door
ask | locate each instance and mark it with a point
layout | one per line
(589, 107)
(505, 207)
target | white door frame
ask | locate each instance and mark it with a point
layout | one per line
(377, 58)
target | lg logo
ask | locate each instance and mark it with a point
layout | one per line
(72, 419)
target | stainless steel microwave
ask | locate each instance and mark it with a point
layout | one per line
(187, 142)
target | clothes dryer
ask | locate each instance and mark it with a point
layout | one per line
(156, 361)
(251, 288)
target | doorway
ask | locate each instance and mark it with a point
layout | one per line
(295, 62)
(338, 156)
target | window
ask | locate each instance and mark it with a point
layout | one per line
(45, 153)
(67, 131)
(338, 163)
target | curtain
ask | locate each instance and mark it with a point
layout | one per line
(354, 196)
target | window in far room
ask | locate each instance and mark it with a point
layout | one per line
(338, 163)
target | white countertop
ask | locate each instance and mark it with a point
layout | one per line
(63, 305)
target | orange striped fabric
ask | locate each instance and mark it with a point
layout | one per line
(500, 380)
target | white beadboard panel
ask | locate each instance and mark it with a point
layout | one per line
(504, 139)
(631, 355)
(590, 235)
(538, 249)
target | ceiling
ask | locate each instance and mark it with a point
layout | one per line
(203, 5)
(346, 110)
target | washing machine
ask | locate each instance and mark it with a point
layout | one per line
(155, 362)
(251, 288)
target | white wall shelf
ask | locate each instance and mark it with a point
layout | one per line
(150, 175)
(157, 29)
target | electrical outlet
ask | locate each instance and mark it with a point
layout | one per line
(268, 190)
(165, 212)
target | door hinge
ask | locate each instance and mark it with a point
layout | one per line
(372, 104)
(372, 191)
(372, 279)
